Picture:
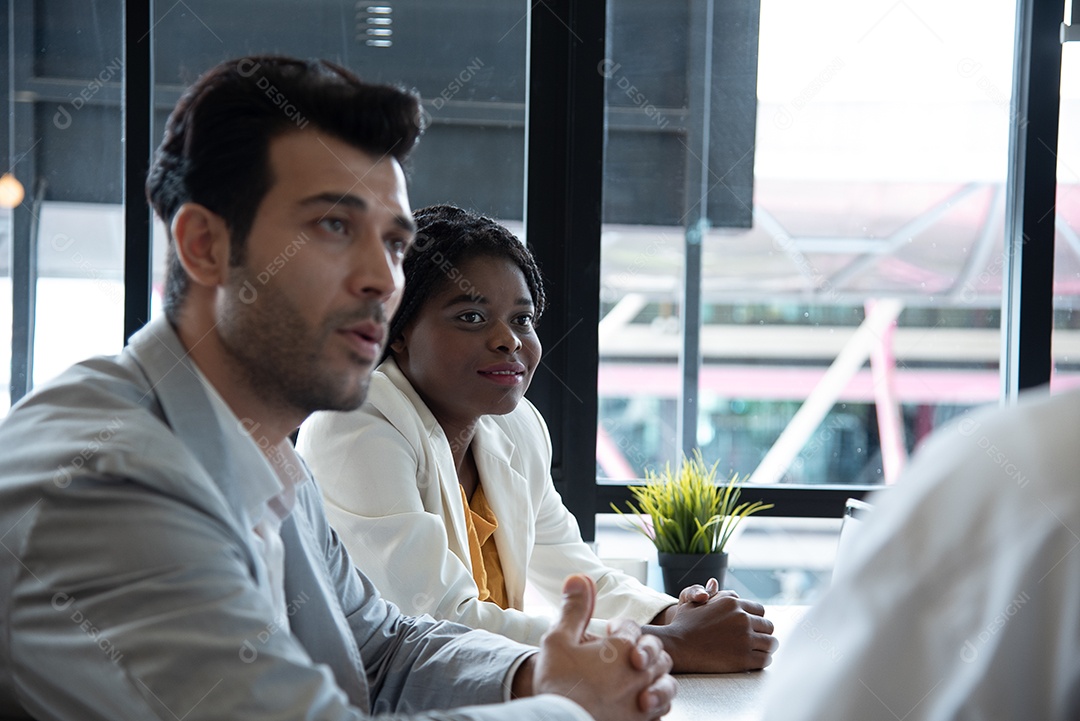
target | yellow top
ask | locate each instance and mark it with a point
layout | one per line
(480, 524)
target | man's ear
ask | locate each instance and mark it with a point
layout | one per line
(202, 244)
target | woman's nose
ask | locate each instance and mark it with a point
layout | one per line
(505, 339)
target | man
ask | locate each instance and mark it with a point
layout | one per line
(960, 597)
(165, 553)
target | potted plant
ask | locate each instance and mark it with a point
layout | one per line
(691, 519)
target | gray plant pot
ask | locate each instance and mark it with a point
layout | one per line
(685, 569)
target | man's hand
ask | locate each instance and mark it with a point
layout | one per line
(622, 676)
(715, 632)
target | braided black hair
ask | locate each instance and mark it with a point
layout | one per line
(446, 238)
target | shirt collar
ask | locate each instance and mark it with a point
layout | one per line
(275, 469)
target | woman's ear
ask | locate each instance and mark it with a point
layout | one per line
(202, 244)
(398, 346)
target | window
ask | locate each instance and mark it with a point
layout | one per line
(836, 235)
(61, 247)
(801, 266)
(777, 232)
(879, 200)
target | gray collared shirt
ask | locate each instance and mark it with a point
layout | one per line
(132, 588)
(268, 494)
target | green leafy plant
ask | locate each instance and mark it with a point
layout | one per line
(689, 511)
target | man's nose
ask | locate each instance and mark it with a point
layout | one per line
(376, 272)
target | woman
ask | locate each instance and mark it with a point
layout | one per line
(440, 484)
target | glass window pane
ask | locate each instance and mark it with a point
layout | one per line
(832, 177)
(1066, 342)
(875, 247)
(64, 144)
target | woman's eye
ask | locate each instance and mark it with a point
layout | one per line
(470, 316)
(525, 319)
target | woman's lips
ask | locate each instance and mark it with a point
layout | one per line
(507, 374)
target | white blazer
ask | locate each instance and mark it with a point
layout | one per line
(391, 491)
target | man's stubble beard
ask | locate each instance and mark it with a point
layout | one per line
(280, 357)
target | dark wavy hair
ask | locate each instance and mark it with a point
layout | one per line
(216, 146)
(446, 238)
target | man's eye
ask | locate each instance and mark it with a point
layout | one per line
(335, 225)
(398, 246)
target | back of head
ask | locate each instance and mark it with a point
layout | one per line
(446, 238)
(216, 146)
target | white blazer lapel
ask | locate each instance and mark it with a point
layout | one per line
(507, 493)
(410, 412)
(451, 495)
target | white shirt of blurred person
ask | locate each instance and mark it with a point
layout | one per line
(961, 598)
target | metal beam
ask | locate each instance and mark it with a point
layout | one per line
(564, 178)
(699, 179)
(20, 143)
(137, 114)
(1027, 314)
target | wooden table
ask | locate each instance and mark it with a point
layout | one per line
(731, 696)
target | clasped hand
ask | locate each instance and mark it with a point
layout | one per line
(621, 676)
(710, 631)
